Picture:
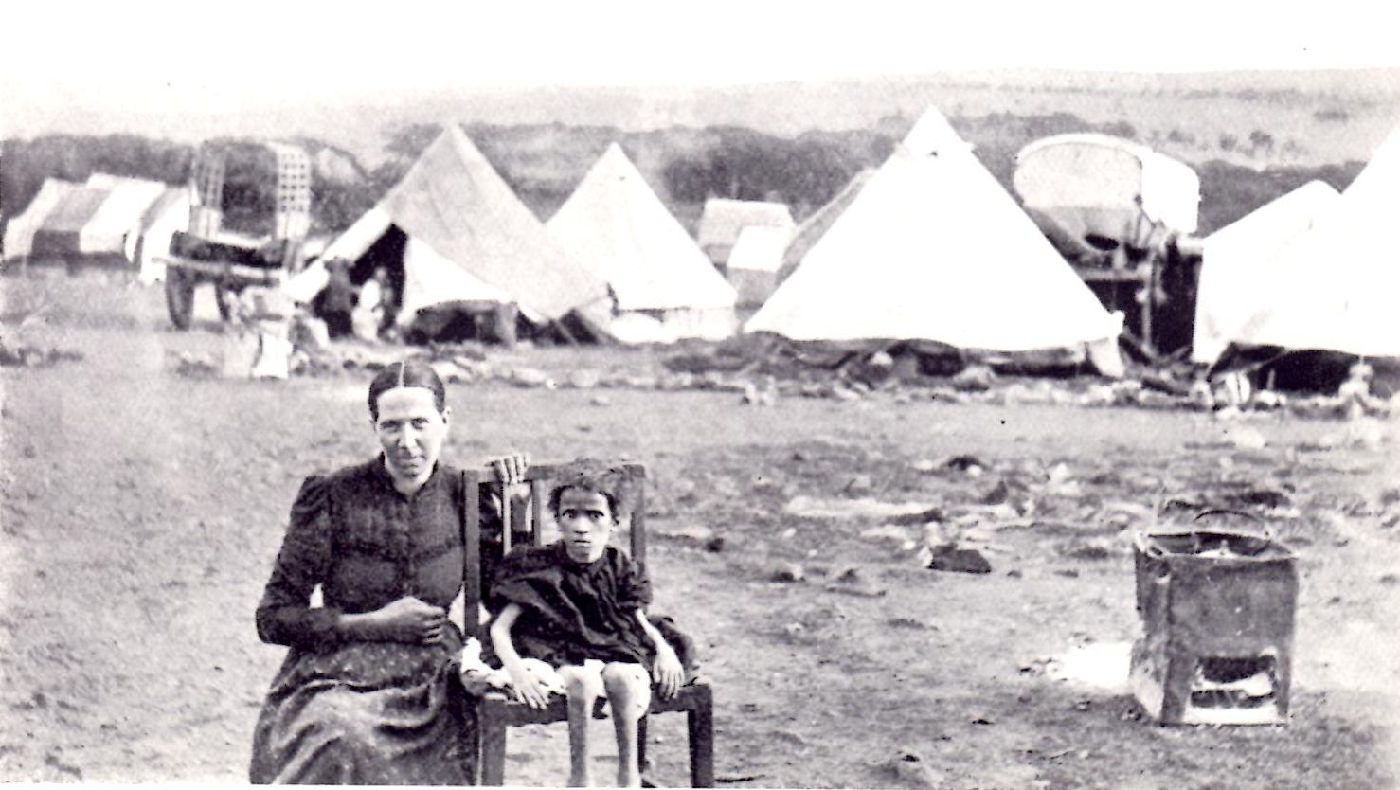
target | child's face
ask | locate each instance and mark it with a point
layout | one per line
(585, 524)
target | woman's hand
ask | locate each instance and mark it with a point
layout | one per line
(526, 687)
(409, 620)
(667, 671)
(511, 469)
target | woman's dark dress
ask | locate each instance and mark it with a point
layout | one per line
(344, 711)
(574, 611)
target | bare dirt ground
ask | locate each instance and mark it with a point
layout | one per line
(141, 510)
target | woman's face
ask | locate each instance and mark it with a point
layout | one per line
(411, 431)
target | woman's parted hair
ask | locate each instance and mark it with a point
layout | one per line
(407, 373)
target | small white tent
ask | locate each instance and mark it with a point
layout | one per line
(616, 227)
(19, 232)
(1240, 262)
(934, 248)
(150, 242)
(723, 219)
(755, 260)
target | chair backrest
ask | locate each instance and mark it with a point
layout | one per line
(526, 519)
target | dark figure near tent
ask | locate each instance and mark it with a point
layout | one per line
(337, 301)
(363, 696)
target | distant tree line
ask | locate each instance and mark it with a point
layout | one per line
(543, 163)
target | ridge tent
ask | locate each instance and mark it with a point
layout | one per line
(615, 226)
(933, 248)
(723, 219)
(19, 232)
(60, 235)
(452, 231)
(755, 260)
(1241, 259)
(151, 239)
(119, 215)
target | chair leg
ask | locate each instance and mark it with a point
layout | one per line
(642, 764)
(702, 746)
(493, 753)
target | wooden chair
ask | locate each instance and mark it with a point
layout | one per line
(496, 712)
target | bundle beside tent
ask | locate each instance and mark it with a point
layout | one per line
(932, 248)
(453, 233)
(616, 227)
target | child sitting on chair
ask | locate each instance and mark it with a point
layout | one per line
(578, 606)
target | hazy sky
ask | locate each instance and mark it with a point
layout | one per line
(210, 57)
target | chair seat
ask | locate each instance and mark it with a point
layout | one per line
(502, 708)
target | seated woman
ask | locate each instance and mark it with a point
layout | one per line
(362, 696)
(578, 606)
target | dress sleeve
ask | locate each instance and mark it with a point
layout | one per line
(285, 615)
(633, 584)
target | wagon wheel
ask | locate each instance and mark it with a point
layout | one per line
(179, 298)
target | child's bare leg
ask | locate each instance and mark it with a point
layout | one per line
(629, 694)
(582, 685)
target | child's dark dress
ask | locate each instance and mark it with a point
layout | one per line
(574, 611)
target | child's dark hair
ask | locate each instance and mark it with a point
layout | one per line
(594, 482)
(408, 373)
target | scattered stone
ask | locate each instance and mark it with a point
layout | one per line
(888, 532)
(975, 378)
(530, 377)
(788, 572)
(600, 400)
(956, 560)
(919, 518)
(860, 485)
(970, 465)
(584, 378)
(715, 544)
(1068, 573)
(910, 768)
(924, 466)
(788, 534)
(1091, 552)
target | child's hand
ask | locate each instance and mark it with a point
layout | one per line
(526, 687)
(668, 672)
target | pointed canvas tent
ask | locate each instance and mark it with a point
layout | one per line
(1240, 260)
(723, 219)
(754, 262)
(150, 242)
(814, 227)
(1335, 286)
(616, 227)
(19, 232)
(468, 239)
(934, 249)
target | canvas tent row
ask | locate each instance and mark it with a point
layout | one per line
(723, 219)
(1240, 262)
(20, 230)
(1333, 286)
(933, 248)
(452, 231)
(93, 220)
(617, 228)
